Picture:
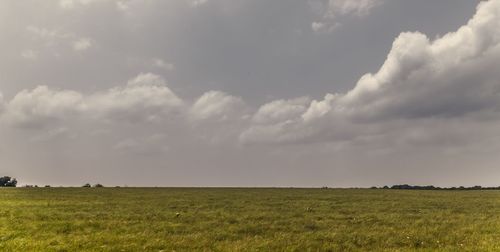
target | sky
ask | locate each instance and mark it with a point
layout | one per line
(299, 93)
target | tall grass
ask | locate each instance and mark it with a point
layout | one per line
(198, 219)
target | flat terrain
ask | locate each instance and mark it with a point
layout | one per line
(135, 219)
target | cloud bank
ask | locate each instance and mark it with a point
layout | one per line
(421, 81)
(144, 98)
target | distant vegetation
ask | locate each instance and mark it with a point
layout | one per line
(96, 185)
(7, 181)
(431, 187)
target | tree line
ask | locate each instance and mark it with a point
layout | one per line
(431, 187)
(7, 181)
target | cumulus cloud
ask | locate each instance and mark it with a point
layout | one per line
(422, 79)
(281, 110)
(449, 76)
(216, 105)
(41, 106)
(144, 98)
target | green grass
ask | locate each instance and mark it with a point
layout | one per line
(134, 219)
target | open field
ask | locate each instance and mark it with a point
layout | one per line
(134, 219)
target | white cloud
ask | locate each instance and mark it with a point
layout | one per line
(281, 110)
(216, 105)
(41, 106)
(351, 7)
(324, 27)
(144, 98)
(82, 44)
(451, 77)
(332, 10)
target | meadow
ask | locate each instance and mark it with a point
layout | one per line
(232, 219)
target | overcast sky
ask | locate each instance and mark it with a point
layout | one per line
(250, 92)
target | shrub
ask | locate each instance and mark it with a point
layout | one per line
(7, 181)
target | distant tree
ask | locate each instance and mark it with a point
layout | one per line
(87, 185)
(7, 181)
(47, 185)
(98, 185)
(4, 180)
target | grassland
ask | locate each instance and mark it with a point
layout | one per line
(134, 219)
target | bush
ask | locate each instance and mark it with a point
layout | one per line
(86, 185)
(7, 181)
(98, 185)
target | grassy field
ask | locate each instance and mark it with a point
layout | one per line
(134, 219)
